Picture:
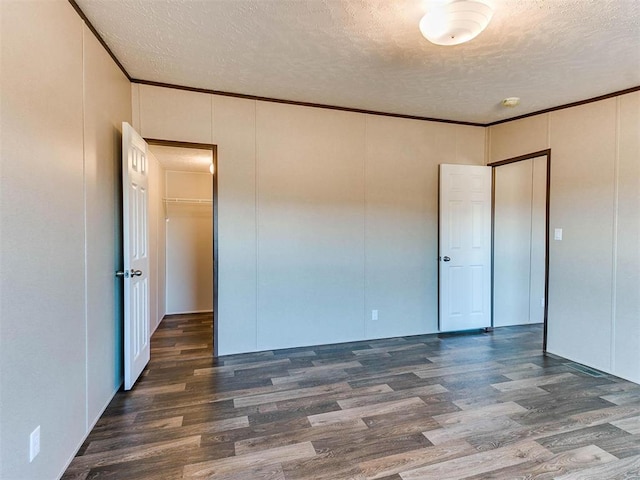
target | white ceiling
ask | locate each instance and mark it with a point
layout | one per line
(183, 159)
(369, 54)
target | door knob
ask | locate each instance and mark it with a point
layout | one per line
(446, 259)
(121, 273)
(136, 273)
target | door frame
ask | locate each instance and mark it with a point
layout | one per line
(494, 165)
(214, 156)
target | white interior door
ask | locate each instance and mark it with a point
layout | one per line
(135, 218)
(465, 247)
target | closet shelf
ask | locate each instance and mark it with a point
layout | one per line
(189, 201)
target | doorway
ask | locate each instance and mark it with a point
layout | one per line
(184, 214)
(520, 247)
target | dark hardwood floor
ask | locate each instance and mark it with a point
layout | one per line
(473, 406)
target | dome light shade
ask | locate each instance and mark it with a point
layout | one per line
(455, 22)
(511, 102)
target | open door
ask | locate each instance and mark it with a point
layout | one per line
(465, 247)
(135, 218)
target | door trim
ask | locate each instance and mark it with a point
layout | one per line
(494, 165)
(214, 150)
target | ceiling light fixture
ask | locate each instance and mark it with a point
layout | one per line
(510, 102)
(456, 21)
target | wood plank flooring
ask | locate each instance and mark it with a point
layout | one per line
(470, 406)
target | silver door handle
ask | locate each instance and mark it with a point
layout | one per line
(136, 273)
(121, 273)
(446, 259)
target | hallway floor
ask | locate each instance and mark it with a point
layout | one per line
(472, 406)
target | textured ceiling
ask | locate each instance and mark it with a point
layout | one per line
(369, 54)
(182, 159)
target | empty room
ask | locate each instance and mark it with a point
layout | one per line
(319, 239)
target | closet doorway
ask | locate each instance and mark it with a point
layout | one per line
(182, 236)
(521, 240)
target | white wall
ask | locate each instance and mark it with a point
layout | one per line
(538, 237)
(323, 215)
(235, 135)
(594, 298)
(581, 270)
(519, 242)
(106, 106)
(626, 333)
(401, 218)
(157, 242)
(189, 243)
(311, 243)
(63, 101)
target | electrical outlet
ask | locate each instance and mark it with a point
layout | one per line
(374, 314)
(34, 444)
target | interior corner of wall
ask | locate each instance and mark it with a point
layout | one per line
(548, 115)
(213, 120)
(487, 145)
(135, 106)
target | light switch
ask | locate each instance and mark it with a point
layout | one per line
(557, 234)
